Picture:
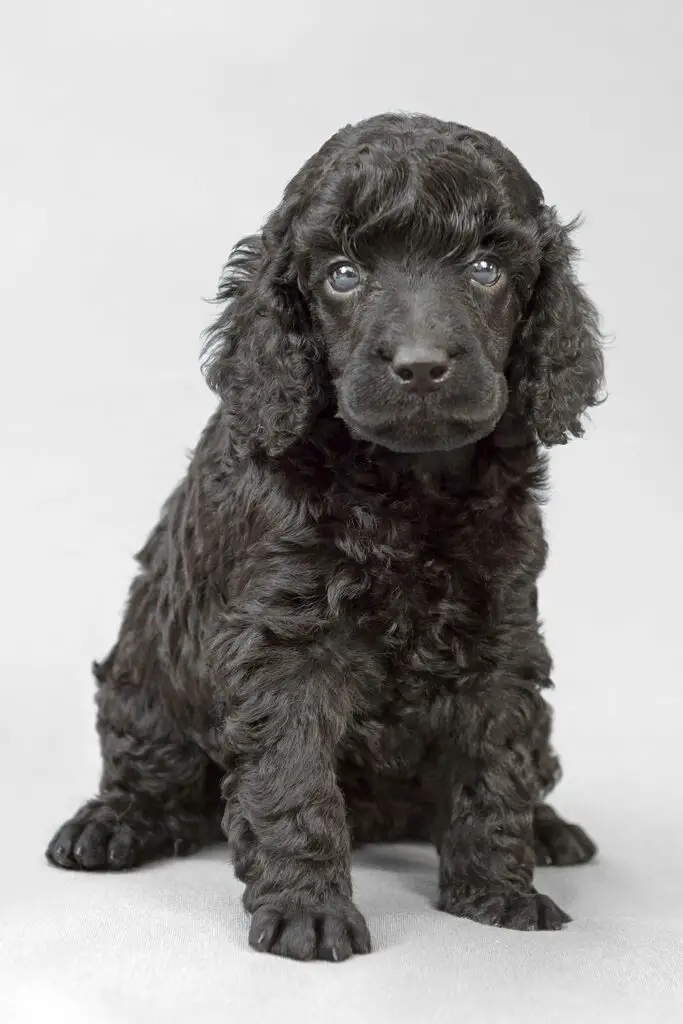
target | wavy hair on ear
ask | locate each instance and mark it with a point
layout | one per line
(260, 356)
(560, 345)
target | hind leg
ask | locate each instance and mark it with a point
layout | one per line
(159, 793)
(559, 842)
(556, 841)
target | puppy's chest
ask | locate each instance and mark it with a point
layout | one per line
(423, 587)
(426, 594)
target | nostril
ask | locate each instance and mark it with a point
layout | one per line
(438, 371)
(404, 372)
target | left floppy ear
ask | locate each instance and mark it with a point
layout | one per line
(559, 347)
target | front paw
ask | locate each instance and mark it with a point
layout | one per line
(534, 912)
(527, 912)
(317, 931)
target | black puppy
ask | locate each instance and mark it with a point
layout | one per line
(333, 636)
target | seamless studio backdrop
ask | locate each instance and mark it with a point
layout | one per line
(139, 141)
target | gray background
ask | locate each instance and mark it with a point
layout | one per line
(138, 141)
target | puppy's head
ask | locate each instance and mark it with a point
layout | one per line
(413, 277)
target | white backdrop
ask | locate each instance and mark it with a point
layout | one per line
(138, 141)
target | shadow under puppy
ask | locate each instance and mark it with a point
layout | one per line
(333, 636)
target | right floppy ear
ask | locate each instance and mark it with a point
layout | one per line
(260, 356)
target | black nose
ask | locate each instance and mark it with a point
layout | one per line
(420, 369)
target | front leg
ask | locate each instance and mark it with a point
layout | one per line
(285, 812)
(487, 854)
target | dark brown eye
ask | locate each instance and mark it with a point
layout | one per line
(343, 278)
(485, 272)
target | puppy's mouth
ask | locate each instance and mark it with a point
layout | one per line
(424, 435)
(429, 423)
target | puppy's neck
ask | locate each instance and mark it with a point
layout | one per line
(434, 469)
(486, 468)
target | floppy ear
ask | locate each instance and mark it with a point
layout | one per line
(260, 356)
(561, 371)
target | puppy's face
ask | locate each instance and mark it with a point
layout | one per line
(416, 291)
(417, 348)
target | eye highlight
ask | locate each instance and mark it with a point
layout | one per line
(343, 278)
(485, 272)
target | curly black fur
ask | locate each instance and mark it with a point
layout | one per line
(334, 636)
